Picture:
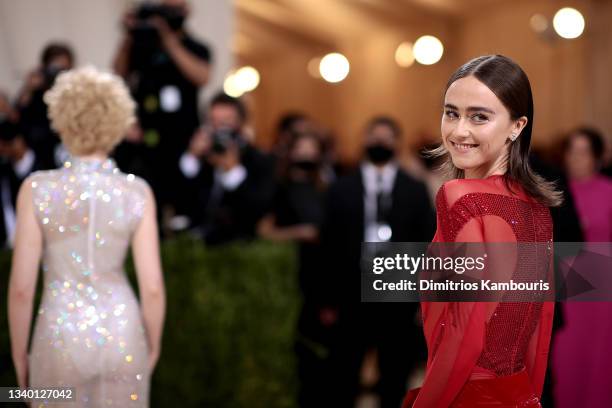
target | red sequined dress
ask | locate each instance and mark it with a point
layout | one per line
(486, 354)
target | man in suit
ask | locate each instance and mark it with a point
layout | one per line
(377, 203)
(17, 161)
(233, 181)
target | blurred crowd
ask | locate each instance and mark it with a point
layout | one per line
(211, 180)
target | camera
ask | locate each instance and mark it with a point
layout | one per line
(223, 138)
(50, 73)
(144, 33)
(8, 130)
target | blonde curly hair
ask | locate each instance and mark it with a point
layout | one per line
(91, 110)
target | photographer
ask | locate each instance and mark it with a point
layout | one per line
(7, 112)
(165, 68)
(230, 180)
(55, 58)
(17, 161)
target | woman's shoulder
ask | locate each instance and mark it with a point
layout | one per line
(44, 175)
(42, 181)
(136, 192)
(494, 187)
(131, 179)
(131, 185)
(454, 190)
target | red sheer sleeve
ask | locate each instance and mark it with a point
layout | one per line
(461, 339)
(536, 359)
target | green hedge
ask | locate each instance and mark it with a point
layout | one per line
(230, 326)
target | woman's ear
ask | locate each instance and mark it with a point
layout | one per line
(519, 124)
(517, 127)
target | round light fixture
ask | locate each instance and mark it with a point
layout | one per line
(246, 78)
(230, 86)
(568, 23)
(428, 50)
(334, 67)
(538, 23)
(404, 57)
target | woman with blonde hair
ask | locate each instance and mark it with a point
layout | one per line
(90, 332)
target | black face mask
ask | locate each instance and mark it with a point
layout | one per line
(379, 153)
(306, 165)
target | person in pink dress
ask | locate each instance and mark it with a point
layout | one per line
(581, 362)
(485, 354)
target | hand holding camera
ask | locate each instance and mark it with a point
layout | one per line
(166, 34)
(43, 77)
(201, 143)
(151, 23)
(226, 161)
(36, 80)
(225, 149)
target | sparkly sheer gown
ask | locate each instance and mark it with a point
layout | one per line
(88, 333)
(487, 354)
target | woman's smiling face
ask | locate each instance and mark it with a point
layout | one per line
(476, 128)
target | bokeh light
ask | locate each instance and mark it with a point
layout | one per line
(246, 78)
(334, 67)
(568, 23)
(404, 57)
(230, 86)
(428, 50)
(240, 81)
(538, 23)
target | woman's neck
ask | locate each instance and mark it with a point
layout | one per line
(498, 167)
(93, 156)
(480, 173)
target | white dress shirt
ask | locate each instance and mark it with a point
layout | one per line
(230, 180)
(376, 180)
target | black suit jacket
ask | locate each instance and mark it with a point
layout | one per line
(14, 182)
(234, 214)
(411, 218)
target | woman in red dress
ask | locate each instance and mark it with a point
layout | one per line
(488, 354)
